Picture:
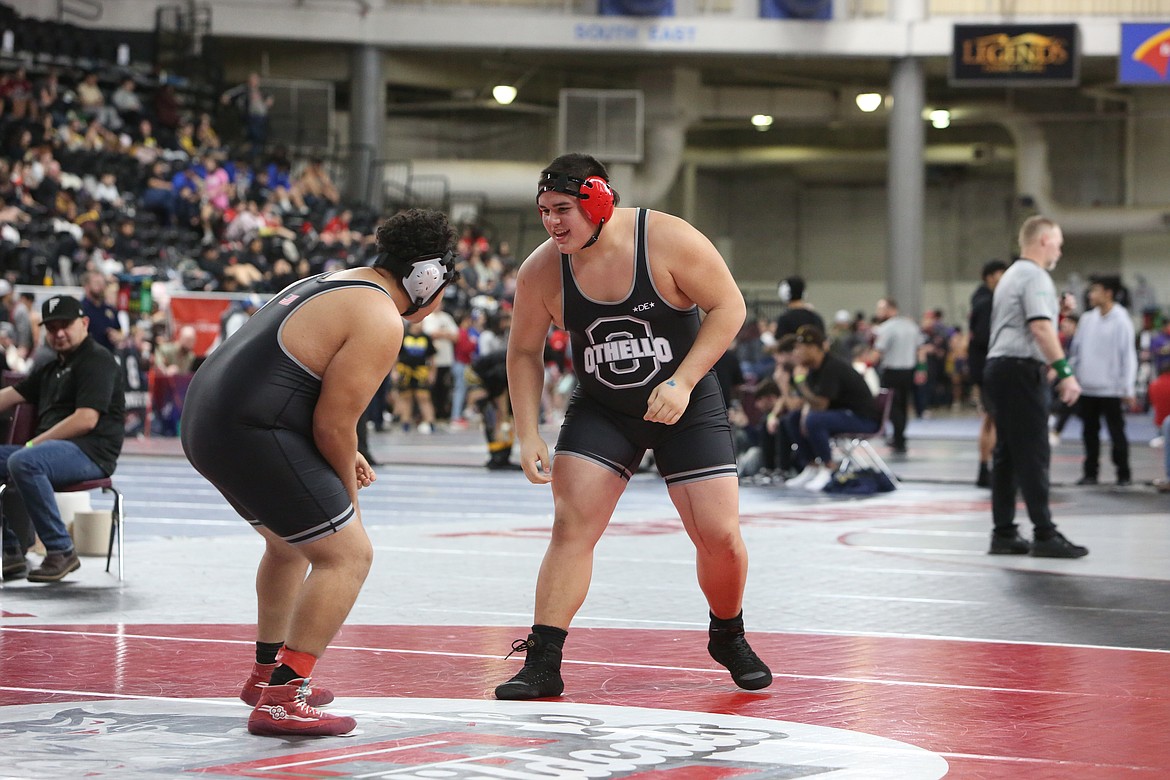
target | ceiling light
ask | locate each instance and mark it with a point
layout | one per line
(869, 101)
(762, 121)
(504, 94)
(940, 118)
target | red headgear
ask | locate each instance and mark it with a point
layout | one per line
(597, 198)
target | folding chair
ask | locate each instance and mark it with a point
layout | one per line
(20, 429)
(856, 449)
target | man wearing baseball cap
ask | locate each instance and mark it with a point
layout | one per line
(81, 409)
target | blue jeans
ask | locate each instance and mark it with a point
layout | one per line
(821, 427)
(33, 472)
(458, 375)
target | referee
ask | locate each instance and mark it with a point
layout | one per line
(1024, 349)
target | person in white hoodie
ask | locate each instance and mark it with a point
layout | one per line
(1103, 354)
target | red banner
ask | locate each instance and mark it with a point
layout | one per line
(204, 313)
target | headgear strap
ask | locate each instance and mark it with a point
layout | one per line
(423, 278)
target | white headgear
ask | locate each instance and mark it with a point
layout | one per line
(424, 277)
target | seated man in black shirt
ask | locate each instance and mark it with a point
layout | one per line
(81, 416)
(836, 400)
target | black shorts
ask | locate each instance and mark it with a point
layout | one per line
(413, 377)
(273, 477)
(699, 446)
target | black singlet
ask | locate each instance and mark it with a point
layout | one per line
(622, 350)
(248, 424)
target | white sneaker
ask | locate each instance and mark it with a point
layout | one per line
(819, 480)
(803, 477)
(1157, 442)
(1053, 438)
(424, 428)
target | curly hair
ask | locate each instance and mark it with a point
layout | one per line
(414, 233)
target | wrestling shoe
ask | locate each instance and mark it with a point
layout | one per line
(258, 681)
(747, 670)
(541, 675)
(283, 712)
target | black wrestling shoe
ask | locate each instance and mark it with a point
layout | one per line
(747, 670)
(541, 676)
(1009, 545)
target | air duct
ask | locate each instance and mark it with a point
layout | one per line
(1034, 181)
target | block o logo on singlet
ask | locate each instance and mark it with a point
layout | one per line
(623, 352)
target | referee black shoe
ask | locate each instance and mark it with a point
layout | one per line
(747, 670)
(541, 675)
(1057, 547)
(1009, 545)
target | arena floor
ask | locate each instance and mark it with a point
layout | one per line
(900, 649)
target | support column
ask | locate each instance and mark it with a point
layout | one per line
(906, 186)
(367, 126)
(906, 174)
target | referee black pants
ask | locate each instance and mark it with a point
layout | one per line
(1018, 398)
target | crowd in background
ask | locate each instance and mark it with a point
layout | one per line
(109, 179)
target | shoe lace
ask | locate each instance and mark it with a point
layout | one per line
(521, 646)
(302, 699)
(739, 654)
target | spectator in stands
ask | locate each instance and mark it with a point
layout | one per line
(836, 400)
(127, 103)
(185, 139)
(254, 105)
(105, 190)
(178, 356)
(239, 275)
(337, 232)
(216, 187)
(92, 102)
(158, 193)
(78, 436)
(127, 247)
(101, 316)
(315, 185)
(51, 97)
(166, 114)
(16, 92)
(205, 135)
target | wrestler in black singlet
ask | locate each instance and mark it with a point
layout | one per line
(248, 424)
(621, 352)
